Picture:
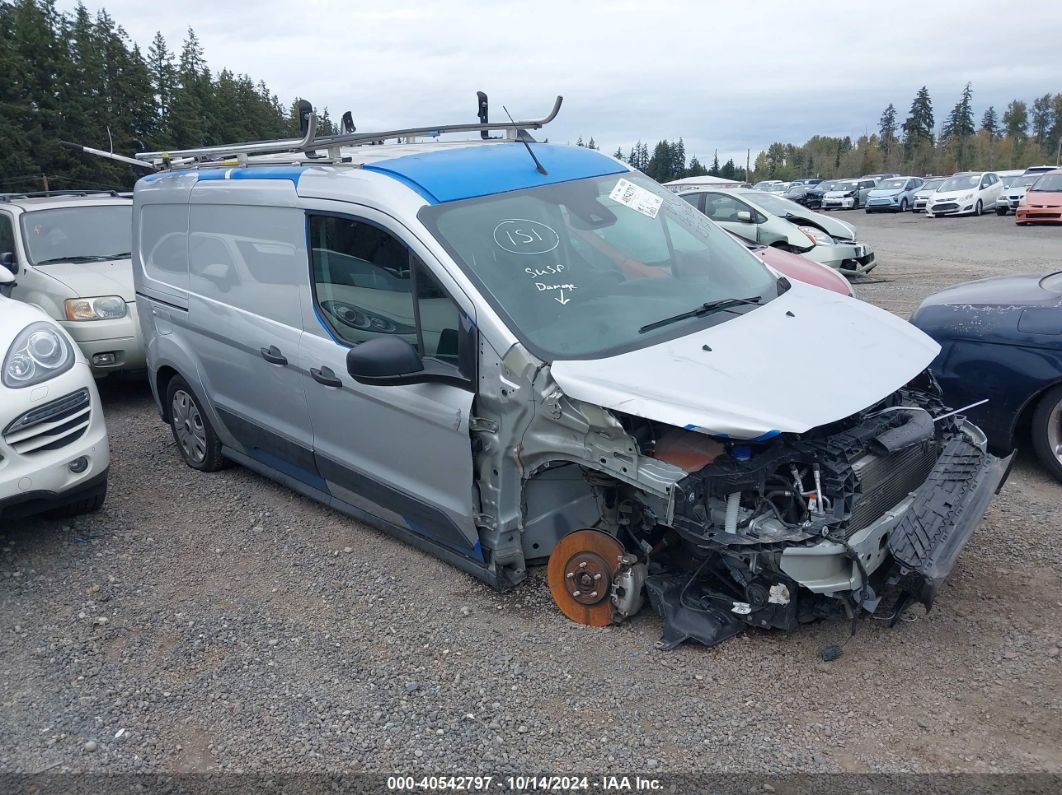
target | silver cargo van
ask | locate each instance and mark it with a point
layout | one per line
(508, 352)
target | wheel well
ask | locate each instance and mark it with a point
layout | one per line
(1020, 429)
(162, 382)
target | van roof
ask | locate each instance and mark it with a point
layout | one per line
(438, 171)
(28, 203)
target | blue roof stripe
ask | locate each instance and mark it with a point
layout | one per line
(231, 172)
(455, 174)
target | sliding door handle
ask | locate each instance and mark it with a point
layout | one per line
(273, 355)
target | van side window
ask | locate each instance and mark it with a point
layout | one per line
(164, 243)
(250, 258)
(366, 284)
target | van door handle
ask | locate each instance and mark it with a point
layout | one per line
(325, 376)
(273, 355)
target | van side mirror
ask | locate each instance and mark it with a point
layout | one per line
(7, 259)
(391, 361)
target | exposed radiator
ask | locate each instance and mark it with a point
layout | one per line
(886, 480)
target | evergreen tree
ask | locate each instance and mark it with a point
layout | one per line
(163, 79)
(918, 138)
(618, 154)
(959, 125)
(695, 168)
(714, 170)
(591, 144)
(990, 123)
(187, 111)
(729, 170)
(579, 141)
(887, 132)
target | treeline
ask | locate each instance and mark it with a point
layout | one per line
(78, 77)
(668, 161)
(1025, 133)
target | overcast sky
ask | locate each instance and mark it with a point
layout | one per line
(724, 76)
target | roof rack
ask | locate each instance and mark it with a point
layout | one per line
(41, 194)
(516, 130)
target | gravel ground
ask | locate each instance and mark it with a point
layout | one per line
(221, 622)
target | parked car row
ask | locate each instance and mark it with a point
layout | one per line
(964, 193)
(566, 364)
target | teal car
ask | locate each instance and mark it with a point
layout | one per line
(893, 195)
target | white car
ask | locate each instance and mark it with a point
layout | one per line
(70, 254)
(848, 194)
(53, 441)
(965, 193)
(1014, 188)
(770, 220)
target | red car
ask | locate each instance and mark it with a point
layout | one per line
(801, 268)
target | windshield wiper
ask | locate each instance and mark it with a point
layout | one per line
(704, 309)
(83, 258)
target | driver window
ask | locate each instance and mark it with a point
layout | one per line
(367, 284)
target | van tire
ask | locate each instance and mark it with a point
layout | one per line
(1044, 435)
(193, 434)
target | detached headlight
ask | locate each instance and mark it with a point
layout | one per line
(106, 307)
(39, 352)
(816, 236)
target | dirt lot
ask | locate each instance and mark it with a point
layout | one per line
(223, 622)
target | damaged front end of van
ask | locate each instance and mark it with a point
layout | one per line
(863, 515)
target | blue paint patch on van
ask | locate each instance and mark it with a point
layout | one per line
(229, 172)
(236, 172)
(763, 437)
(468, 172)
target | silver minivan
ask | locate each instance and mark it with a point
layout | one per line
(509, 353)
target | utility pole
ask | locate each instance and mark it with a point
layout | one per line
(748, 165)
(44, 179)
(1058, 152)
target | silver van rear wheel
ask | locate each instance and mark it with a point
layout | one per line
(198, 444)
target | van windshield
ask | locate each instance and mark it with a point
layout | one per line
(78, 234)
(577, 268)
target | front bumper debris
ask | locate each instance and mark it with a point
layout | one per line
(945, 511)
(915, 500)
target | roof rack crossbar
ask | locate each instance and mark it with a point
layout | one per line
(310, 142)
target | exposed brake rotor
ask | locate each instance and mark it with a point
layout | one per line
(581, 572)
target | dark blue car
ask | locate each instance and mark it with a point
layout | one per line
(1001, 339)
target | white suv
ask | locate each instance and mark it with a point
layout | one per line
(53, 441)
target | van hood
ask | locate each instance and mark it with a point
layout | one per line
(90, 279)
(807, 358)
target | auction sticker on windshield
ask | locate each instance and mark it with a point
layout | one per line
(636, 197)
